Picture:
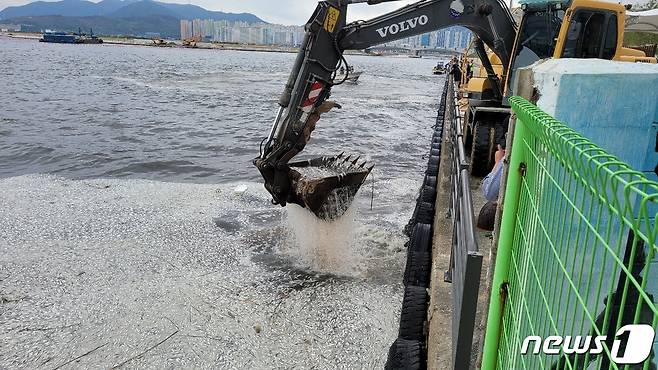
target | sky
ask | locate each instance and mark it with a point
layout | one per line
(273, 11)
(294, 12)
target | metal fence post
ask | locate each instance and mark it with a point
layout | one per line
(501, 270)
(577, 251)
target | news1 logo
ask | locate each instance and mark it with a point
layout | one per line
(632, 344)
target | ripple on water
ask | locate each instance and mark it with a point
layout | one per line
(129, 262)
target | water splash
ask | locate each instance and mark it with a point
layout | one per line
(324, 246)
(318, 172)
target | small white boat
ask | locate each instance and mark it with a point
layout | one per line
(439, 70)
(352, 76)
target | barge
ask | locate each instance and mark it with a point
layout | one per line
(70, 38)
(58, 38)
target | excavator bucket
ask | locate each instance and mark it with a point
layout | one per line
(327, 185)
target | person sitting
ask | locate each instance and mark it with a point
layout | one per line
(491, 191)
(491, 183)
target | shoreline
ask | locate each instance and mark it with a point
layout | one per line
(178, 44)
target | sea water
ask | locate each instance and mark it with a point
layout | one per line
(324, 246)
(130, 211)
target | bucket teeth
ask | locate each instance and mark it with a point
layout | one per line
(353, 165)
(330, 190)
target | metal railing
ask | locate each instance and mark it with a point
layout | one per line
(465, 259)
(576, 251)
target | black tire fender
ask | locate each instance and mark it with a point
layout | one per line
(421, 238)
(406, 355)
(481, 151)
(414, 313)
(425, 214)
(428, 194)
(433, 165)
(430, 181)
(417, 271)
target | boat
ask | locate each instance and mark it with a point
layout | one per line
(439, 70)
(70, 38)
(83, 38)
(88, 40)
(58, 37)
(352, 77)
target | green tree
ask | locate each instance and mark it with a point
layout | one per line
(642, 38)
(652, 4)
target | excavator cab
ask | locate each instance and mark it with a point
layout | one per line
(568, 29)
(537, 36)
(571, 29)
(595, 29)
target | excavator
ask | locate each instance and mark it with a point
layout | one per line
(548, 29)
(191, 42)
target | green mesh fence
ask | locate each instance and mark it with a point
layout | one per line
(577, 251)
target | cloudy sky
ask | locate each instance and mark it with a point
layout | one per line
(275, 11)
(285, 11)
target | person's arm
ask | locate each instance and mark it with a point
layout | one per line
(491, 183)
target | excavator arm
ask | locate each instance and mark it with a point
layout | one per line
(327, 185)
(490, 20)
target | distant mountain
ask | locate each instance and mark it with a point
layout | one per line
(129, 26)
(120, 9)
(111, 6)
(144, 26)
(188, 11)
(75, 8)
(142, 9)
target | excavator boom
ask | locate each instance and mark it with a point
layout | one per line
(328, 185)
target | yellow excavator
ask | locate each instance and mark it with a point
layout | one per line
(191, 42)
(547, 29)
(578, 29)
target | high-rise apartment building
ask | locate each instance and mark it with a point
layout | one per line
(452, 38)
(185, 29)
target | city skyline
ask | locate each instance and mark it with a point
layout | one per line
(451, 38)
(241, 32)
